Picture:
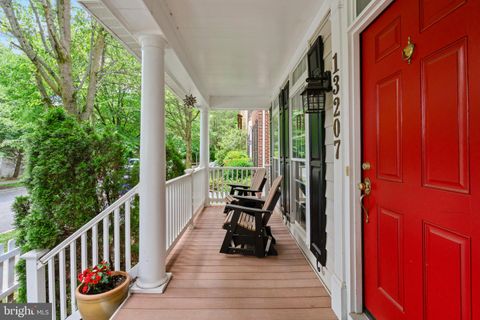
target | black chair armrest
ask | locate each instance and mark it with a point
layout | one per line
(252, 211)
(249, 199)
(247, 190)
(237, 185)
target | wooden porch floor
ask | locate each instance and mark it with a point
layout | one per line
(208, 285)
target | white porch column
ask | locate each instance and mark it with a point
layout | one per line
(263, 139)
(152, 275)
(205, 150)
(339, 25)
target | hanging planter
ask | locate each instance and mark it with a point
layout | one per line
(101, 291)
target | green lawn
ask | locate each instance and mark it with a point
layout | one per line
(4, 237)
(8, 184)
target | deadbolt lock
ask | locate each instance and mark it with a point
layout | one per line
(366, 166)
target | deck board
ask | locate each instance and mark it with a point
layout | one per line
(209, 285)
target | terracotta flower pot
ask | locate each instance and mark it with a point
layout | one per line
(102, 306)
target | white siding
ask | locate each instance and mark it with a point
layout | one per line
(325, 32)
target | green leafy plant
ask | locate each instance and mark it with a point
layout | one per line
(73, 172)
(237, 158)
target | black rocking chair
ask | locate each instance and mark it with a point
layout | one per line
(247, 229)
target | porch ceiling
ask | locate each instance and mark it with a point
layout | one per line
(230, 52)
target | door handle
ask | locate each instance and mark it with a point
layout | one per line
(365, 187)
(364, 209)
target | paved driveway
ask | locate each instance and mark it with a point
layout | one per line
(7, 196)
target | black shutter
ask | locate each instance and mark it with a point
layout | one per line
(315, 59)
(318, 217)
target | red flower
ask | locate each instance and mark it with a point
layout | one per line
(95, 278)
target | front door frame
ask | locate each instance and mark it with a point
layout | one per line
(353, 152)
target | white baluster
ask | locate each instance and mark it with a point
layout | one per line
(51, 286)
(179, 214)
(116, 238)
(73, 274)
(95, 244)
(191, 196)
(185, 201)
(210, 183)
(175, 212)
(1, 268)
(169, 213)
(128, 258)
(220, 174)
(236, 176)
(84, 261)
(106, 239)
(184, 205)
(215, 183)
(11, 268)
(63, 291)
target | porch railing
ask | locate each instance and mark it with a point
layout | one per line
(8, 279)
(221, 177)
(112, 236)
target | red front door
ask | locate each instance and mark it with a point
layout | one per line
(421, 136)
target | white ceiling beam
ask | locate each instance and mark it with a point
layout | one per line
(240, 102)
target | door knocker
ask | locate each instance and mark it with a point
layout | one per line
(407, 52)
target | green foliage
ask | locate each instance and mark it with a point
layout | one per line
(237, 158)
(117, 102)
(21, 207)
(231, 140)
(61, 157)
(6, 236)
(73, 172)
(220, 122)
(175, 166)
(39, 230)
(20, 103)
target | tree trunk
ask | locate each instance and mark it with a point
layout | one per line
(188, 157)
(18, 165)
(188, 135)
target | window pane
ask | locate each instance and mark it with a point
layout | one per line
(298, 128)
(361, 4)
(275, 130)
(300, 176)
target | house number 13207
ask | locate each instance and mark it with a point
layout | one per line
(336, 107)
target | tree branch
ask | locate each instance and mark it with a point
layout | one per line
(196, 112)
(43, 92)
(94, 69)
(52, 30)
(48, 49)
(90, 58)
(24, 44)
